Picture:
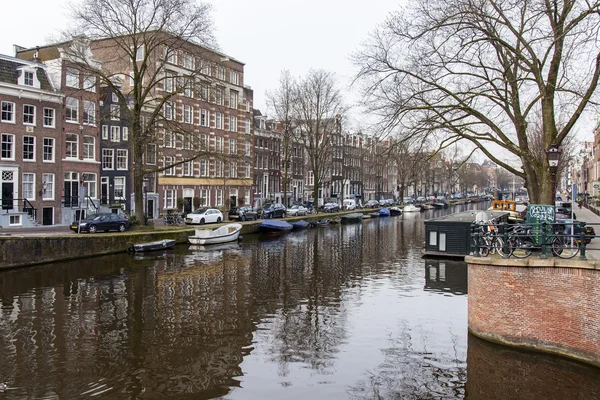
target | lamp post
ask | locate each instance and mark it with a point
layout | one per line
(553, 155)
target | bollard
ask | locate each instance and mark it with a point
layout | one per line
(582, 238)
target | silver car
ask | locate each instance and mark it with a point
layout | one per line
(297, 210)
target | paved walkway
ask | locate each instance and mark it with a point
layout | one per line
(586, 215)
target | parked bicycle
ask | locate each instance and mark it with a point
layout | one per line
(522, 242)
(174, 220)
(489, 240)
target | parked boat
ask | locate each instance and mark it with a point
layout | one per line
(351, 218)
(395, 211)
(384, 212)
(223, 234)
(374, 214)
(366, 216)
(517, 212)
(302, 224)
(335, 220)
(275, 225)
(427, 206)
(152, 246)
(323, 222)
(411, 208)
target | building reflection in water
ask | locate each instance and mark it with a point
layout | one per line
(446, 276)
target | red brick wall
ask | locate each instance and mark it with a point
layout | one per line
(549, 305)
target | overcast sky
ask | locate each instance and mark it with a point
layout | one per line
(267, 35)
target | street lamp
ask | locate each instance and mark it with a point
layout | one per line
(553, 155)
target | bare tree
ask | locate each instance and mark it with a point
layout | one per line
(135, 40)
(318, 111)
(480, 70)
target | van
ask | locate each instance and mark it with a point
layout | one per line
(349, 204)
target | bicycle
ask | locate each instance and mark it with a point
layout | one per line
(174, 220)
(522, 243)
(490, 240)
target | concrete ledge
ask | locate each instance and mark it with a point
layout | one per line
(534, 262)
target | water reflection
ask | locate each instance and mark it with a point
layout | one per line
(339, 311)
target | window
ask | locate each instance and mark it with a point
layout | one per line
(168, 82)
(219, 197)
(187, 141)
(203, 168)
(204, 142)
(28, 186)
(151, 154)
(115, 112)
(172, 56)
(188, 89)
(108, 158)
(48, 151)
(89, 183)
(89, 83)
(28, 78)
(219, 96)
(114, 98)
(49, 121)
(72, 79)
(247, 171)
(8, 147)
(47, 186)
(105, 132)
(89, 112)
(89, 148)
(247, 105)
(205, 91)
(29, 148)
(219, 120)
(233, 99)
(205, 67)
(170, 198)
(131, 79)
(125, 133)
(8, 112)
(71, 141)
(115, 133)
(233, 77)
(28, 114)
(220, 73)
(169, 110)
(72, 110)
(169, 140)
(232, 146)
(14, 220)
(139, 53)
(247, 148)
(233, 123)
(218, 168)
(188, 168)
(122, 158)
(219, 144)
(233, 169)
(247, 129)
(204, 117)
(187, 114)
(188, 61)
(119, 185)
(171, 170)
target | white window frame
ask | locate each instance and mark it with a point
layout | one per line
(218, 120)
(169, 199)
(48, 180)
(28, 185)
(122, 161)
(74, 146)
(28, 78)
(32, 150)
(72, 78)
(232, 123)
(115, 112)
(233, 77)
(104, 132)
(89, 83)
(188, 168)
(71, 109)
(234, 97)
(150, 161)
(119, 186)
(11, 112)
(139, 53)
(89, 148)
(9, 140)
(115, 133)
(29, 115)
(51, 118)
(89, 113)
(204, 117)
(47, 146)
(125, 133)
(108, 159)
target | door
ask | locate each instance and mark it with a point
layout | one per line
(150, 208)
(71, 193)
(187, 205)
(7, 195)
(48, 216)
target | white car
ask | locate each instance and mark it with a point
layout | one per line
(297, 210)
(203, 216)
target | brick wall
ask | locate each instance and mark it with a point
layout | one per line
(548, 305)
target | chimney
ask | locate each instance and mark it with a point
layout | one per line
(36, 56)
(17, 49)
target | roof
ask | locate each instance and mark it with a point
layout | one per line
(9, 71)
(469, 216)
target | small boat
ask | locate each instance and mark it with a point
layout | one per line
(427, 206)
(395, 211)
(335, 220)
(384, 212)
(411, 208)
(302, 224)
(275, 225)
(157, 245)
(374, 214)
(323, 222)
(366, 216)
(223, 234)
(351, 218)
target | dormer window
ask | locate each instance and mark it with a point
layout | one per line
(28, 78)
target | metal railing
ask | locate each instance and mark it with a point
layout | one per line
(560, 239)
(25, 205)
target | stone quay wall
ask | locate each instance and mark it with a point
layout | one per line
(549, 305)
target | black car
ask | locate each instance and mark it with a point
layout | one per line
(567, 225)
(245, 213)
(101, 222)
(274, 210)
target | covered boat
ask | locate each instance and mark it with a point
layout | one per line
(223, 234)
(275, 225)
(351, 218)
(302, 224)
(395, 211)
(157, 245)
(384, 212)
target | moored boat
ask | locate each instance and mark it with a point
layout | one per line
(156, 245)
(384, 212)
(374, 214)
(223, 234)
(411, 208)
(275, 225)
(351, 218)
(395, 211)
(302, 224)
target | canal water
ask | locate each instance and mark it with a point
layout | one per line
(335, 312)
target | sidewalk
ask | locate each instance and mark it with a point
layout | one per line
(586, 215)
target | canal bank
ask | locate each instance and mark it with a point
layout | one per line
(548, 305)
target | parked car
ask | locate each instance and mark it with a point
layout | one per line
(408, 200)
(420, 199)
(566, 224)
(349, 204)
(297, 210)
(203, 216)
(274, 210)
(101, 222)
(244, 213)
(331, 207)
(372, 204)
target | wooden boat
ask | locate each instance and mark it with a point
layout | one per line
(351, 218)
(223, 234)
(395, 211)
(384, 212)
(516, 212)
(302, 224)
(275, 225)
(411, 208)
(152, 246)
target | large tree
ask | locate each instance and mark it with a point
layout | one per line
(135, 41)
(481, 70)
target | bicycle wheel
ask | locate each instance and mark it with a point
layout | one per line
(565, 247)
(180, 221)
(521, 247)
(498, 246)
